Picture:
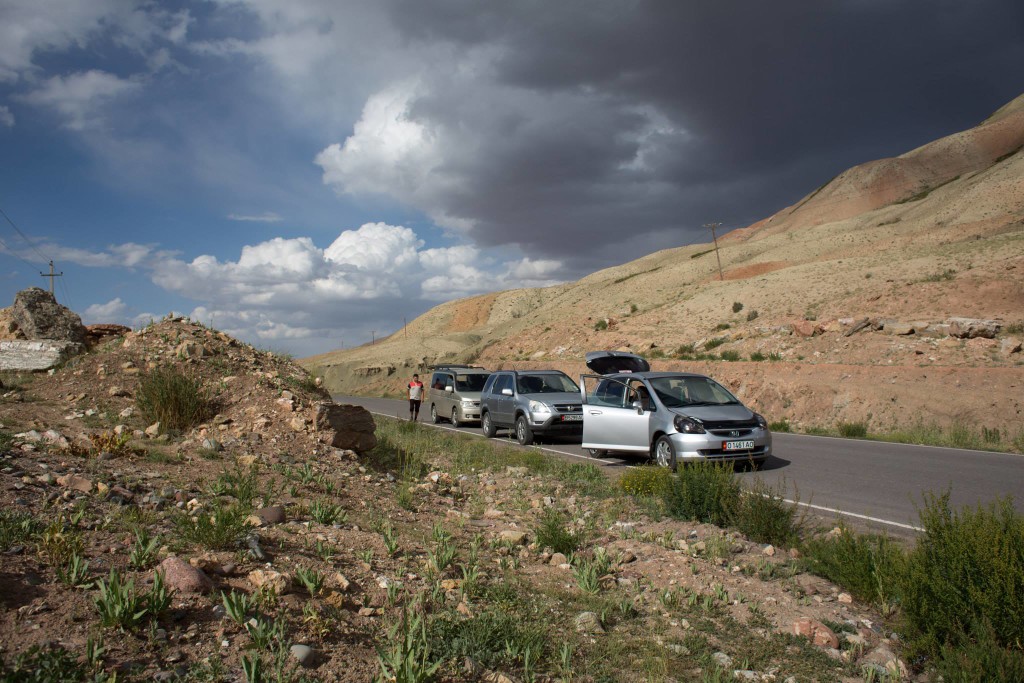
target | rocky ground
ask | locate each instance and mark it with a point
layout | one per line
(334, 543)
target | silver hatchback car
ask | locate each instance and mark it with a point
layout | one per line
(674, 416)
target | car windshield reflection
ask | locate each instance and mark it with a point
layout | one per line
(684, 392)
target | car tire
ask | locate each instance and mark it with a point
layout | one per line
(455, 418)
(433, 414)
(665, 453)
(597, 452)
(487, 426)
(524, 435)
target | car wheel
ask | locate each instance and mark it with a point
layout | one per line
(433, 414)
(665, 453)
(455, 418)
(487, 426)
(597, 452)
(524, 435)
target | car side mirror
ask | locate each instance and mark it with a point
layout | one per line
(639, 407)
(506, 391)
(449, 389)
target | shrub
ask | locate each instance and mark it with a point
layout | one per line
(713, 343)
(752, 315)
(980, 660)
(757, 356)
(18, 528)
(44, 665)
(684, 350)
(703, 491)
(853, 430)
(780, 425)
(967, 568)
(172, 398)
(553, 533)
(6, 440)
(763, 515)
(491, 638)
(737, 307)
(221, 529)
(722, 326)
(868, 566)
(730, 355)
(601, 325)
(646, 481)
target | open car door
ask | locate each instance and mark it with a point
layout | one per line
(611, 419)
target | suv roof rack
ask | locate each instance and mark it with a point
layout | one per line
(455, 366)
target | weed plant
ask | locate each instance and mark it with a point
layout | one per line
(221, 529)
(494, 638)
(762, 514)
(174, 399)
(703, 492)
(408, 658)
(553, 532)
(967, 571)
(144, 549)
(241, 484)
(121, 606)
(780, 426)
(868, 566)
(645, 482)
(18, 528)
(40, 664)
(853, 430)
(757, 356)
(730, 355)
(325, 512)
(714, 343)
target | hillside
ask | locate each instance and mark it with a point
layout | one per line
(246, 547)
(908, 243)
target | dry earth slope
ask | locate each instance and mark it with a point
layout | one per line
(908, 243)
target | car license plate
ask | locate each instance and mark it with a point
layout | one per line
(738, 445)
(572, 418)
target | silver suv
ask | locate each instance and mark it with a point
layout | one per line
(674, 416)
(454, 393)
(531, 402)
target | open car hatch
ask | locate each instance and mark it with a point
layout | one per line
(611, 362)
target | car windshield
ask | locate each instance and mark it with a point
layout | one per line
(680, 392)
(545, 384)
(474, 382)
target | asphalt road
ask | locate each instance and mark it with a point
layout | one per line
(869, 483)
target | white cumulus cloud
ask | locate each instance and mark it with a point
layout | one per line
(112, 311)
(80, 97)
(6, 117)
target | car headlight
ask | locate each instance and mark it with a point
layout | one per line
(761, 422)
(467, 404)
(538, 407)
(688, 425)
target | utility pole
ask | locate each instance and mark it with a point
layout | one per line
(52, 275)
(373, 337)
(713, 226)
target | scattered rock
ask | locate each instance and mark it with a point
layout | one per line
(270, 579)
(588, 622)
(972, 328)
(816, 632)
(183, 577)
(353, 426)
(513, 537)
(304, 654)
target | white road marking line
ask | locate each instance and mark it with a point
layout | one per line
(854, 514)
(605, 461)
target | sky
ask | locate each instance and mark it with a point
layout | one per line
(308, 174)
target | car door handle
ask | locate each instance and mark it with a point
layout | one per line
(596, 412)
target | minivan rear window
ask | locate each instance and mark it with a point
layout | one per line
(474, 382)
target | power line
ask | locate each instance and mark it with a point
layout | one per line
(23, 235)
(16, 255)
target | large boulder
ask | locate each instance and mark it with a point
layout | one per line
(39, 316)
(353, 426)
(973, 328)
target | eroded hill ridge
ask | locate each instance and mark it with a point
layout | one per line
(906, 244)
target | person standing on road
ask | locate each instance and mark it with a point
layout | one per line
(415, 398)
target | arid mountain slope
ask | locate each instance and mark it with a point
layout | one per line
(908, 242)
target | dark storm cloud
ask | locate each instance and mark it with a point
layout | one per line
(736, 108)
